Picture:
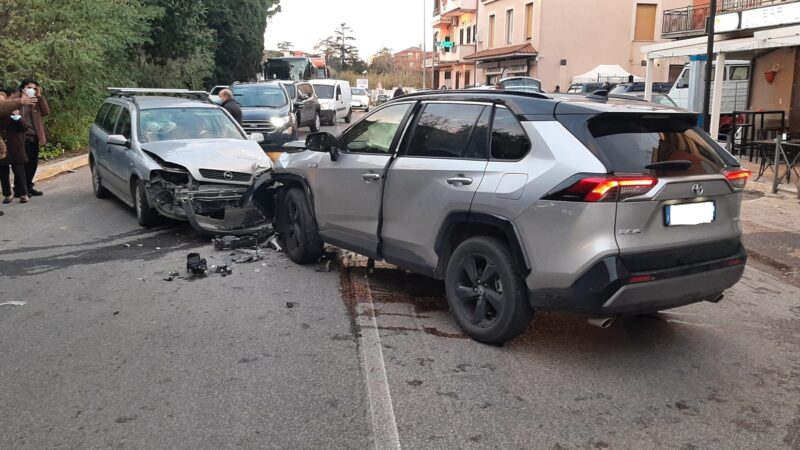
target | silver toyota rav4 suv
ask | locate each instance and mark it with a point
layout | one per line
(524, 202)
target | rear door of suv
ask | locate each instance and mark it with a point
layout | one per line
(437, 171)
(677, 193)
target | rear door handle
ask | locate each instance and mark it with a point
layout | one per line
(369, 177)
(459, 181)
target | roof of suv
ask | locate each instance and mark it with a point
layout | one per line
(531, 105)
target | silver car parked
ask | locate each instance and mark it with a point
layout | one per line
(525, 202)
(175, 157)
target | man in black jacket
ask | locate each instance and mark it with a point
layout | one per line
(231, 105)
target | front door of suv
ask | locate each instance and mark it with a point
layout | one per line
(436, 173)
(347, 192)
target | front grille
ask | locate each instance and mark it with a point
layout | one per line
(258, 127)
(223, 175)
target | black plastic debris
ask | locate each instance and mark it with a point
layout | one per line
(195, 264)
(291, 305)
(222, 269)
(171, 276)
(234, 242)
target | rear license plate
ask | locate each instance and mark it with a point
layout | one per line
(689, 214)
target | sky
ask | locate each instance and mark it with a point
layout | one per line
(396, 24)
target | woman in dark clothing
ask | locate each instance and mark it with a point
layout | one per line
(12, 131)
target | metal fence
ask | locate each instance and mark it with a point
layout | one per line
(691, 20)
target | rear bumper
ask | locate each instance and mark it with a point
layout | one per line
(608, 288)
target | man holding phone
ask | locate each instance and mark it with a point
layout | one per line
(36, 136)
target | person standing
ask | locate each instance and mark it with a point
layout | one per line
(12, 131)
(36, 136)
(231, 105)
(558, 89)
(398, 92)
(7, 107)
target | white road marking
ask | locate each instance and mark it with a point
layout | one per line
(384, 425)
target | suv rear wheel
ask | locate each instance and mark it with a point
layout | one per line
(349, 117)
(299, 231)
(485, 292)
(97, 185)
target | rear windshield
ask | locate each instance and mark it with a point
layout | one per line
(628, 143)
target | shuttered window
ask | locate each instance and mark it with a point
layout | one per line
(645, 22)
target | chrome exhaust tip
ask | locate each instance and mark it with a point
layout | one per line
(601, 322)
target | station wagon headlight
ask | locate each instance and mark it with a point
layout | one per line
(279, 122)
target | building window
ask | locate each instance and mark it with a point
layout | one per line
(645, 22)
(491, 30)
(509, 26)
(461, 37)
(529, 21)
(474, 33)
(469, 35)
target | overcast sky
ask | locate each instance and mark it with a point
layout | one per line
(396, 24)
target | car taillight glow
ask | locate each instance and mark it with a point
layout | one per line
(600, 189)
(737, 178)
(641, 279)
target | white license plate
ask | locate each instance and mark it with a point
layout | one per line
(689, 214)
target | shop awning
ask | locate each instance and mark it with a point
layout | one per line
(604, 72)
(525, 50)
(774, 38)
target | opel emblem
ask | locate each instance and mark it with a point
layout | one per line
(229, 176)
(697, 189)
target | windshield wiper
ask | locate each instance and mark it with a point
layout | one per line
(678, 164)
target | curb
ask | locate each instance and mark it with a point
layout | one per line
(52, 169)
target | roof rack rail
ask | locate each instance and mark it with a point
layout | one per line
(477, 91)
(130, 92)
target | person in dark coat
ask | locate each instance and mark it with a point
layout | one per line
(398, 92)
(12, 131)
(231, 105)
(36, 136)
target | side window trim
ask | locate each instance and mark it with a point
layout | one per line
(125, 110)
(99, 120)
(402, 150)
(108, 116)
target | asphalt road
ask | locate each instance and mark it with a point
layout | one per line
(106, 354)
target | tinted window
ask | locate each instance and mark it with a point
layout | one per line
(443, 130)
(376, 132)
(169, 124)
(479, 142)
(628, 144)
(260, 96)
(102, 114)
(509, 140)
(124, 124)
(111, 118)
(338, 91)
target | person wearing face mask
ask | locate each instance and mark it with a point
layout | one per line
(36, 136)
(7, 108)
(12, 131)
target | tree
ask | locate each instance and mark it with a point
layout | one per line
(383, 62)
(285, 46)
(339, 53)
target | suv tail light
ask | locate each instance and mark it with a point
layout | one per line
(604, 189)
(737, 178)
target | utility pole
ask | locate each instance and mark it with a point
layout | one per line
(709, 57)
(424, 42)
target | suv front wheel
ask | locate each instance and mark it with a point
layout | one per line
(486, 295)
(298, 228)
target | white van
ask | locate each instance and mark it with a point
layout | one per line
(335, 100)
(735, 87)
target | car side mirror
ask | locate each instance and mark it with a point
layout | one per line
(118, 139)
(258, 137)
(323, 142)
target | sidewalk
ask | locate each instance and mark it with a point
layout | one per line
(52, 168)
(771, 225)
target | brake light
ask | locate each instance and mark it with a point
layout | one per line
(737, 178)
(605, 189)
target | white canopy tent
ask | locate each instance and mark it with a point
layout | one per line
(603, 73)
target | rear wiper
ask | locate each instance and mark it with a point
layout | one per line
(678, 164)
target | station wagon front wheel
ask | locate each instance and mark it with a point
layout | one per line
(486, 294)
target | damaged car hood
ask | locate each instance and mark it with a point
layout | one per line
(226, 155)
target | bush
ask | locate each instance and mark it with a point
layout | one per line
(51, 151)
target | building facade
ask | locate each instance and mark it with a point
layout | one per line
(410, 59)
(455, 28)
(554, 40)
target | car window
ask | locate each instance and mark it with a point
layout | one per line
(739, 73)
(102, 114)
(260, 96)
(479, 142)
(338, 91)
(290, 90)
(305, 89)
(359, 91)
(443, 130)
(124, 124)
(169, 124)
(375, 133)
(111, 118)
(509, 140)
(324, 90)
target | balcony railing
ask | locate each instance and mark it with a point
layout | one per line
(691, 20)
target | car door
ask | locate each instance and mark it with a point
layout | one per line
(436, 173)
(97, 139)
(307, 109)
(108, 174)
(120, 160)
(339, 102)
(347, 192)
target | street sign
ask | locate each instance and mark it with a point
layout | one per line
(362, 83)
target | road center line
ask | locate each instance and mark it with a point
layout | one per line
(384, 426)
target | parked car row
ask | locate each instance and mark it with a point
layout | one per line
(520, 202)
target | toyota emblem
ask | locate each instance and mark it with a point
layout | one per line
(697, 189)
(229, 176)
